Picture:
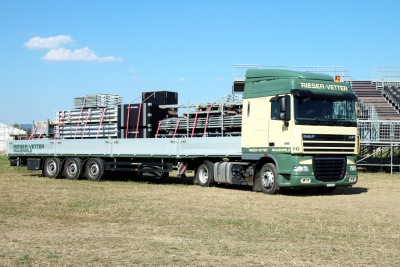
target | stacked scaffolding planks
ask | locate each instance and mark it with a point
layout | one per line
(93, 116)
(212, 120)
(97, 101)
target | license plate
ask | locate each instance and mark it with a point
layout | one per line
(330, 185)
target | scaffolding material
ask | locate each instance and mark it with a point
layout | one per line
(96, 115)
(93, 116)
(97, 101)
(210, 119)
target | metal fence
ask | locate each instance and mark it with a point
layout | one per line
(379, 145)
(385, 74)
(378, 131)
(367, 111)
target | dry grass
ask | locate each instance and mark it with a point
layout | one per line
(47, 222)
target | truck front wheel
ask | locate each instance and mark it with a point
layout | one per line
(268, 179)
(205, 174)
(94, 169)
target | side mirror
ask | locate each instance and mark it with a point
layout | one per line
(284, 106)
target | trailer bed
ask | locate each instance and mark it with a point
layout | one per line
(120, 148)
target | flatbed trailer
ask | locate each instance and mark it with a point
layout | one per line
(140, 155)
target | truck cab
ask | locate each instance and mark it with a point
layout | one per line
(301, 130)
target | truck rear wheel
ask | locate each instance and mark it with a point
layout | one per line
(72, 168)
(268, 179)
(52, 167)
(205, 174)
(94, 169)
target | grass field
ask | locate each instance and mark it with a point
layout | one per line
(55, 222)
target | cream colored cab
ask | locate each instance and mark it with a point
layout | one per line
(260, 130)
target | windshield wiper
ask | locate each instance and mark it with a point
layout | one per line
(317, 120)
(349, 122)
(332, 120)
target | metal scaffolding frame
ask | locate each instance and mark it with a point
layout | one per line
(383, 75)
(379, 145)
(222, 118)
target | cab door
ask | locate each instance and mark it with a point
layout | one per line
(278, 126)
(256, 114)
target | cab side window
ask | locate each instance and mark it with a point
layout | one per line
(275, 110)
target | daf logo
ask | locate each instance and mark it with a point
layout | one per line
(308, 136)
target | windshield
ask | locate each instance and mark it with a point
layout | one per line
(319, 111)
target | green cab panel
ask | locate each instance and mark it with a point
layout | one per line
(271, 82)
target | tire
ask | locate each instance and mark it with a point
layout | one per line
(52, 167)
(205, 174)
(72, 168)
(268, 179)
(94, 169)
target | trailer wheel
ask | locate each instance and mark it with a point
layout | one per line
(268, 179)
(94, 169)
(205, 174)
(72, 168)
(52, 167)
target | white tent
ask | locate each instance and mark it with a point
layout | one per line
(8, 133)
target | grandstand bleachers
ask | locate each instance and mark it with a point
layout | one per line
(392, 95)
(385, 105)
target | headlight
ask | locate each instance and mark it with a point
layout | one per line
(300, 168)
(353, 168)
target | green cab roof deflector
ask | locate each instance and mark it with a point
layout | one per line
(271, 82)
(273, 74)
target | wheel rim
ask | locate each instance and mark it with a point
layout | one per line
(52, 168)
(203, 175)
(267, 179)
(94, 170)
(72, 168)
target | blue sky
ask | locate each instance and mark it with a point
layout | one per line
(53, 51)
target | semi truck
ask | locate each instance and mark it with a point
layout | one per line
(289, 129)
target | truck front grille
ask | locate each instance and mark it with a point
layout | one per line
(329, 168)
(329, 143)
